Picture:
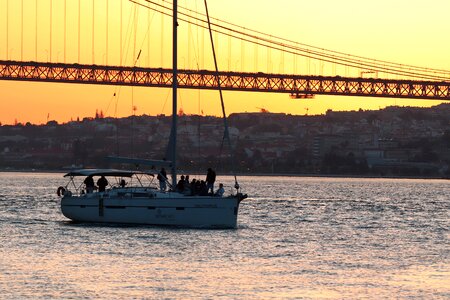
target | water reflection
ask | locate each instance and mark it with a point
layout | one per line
(328, 238)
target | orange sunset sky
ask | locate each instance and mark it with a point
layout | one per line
(404, 31)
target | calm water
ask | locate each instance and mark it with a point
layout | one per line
(321, 238)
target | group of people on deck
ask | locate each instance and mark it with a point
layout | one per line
(102, 183)
(195, 187)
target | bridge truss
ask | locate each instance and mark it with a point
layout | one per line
(298, 86)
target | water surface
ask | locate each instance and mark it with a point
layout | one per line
(327, 238)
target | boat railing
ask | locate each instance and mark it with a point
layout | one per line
(135, 185)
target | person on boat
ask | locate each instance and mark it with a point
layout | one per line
(122, 183)
(181, 184)
(203, 188)
(192, 186)
(220, 191)
(187, 186)
(102, 183)
(210, 179)
(197, 187)
(162, 177)
(90, 185)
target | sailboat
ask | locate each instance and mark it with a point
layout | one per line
(135, 198)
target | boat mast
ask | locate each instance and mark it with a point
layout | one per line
(174, 94)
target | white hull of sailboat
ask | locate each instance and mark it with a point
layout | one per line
(171, 209)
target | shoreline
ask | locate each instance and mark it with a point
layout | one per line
(362, 176)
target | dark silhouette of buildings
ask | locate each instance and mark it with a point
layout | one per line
(395, 141)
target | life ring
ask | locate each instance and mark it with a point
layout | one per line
(61, 191)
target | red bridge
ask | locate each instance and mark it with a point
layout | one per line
(299, 86)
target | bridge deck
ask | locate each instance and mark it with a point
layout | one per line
(296, 85)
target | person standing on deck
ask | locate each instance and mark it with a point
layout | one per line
(210, 179)
(90, 185)
(102, 183)
(162, 177)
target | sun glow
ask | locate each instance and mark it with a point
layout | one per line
(125, 33)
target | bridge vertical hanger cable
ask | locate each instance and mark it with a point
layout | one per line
(149, 34)
(93, 30)
(21, 34)
(229, 53)
(268, 59)
(51, 25)
(226, 133)
(121, 25)
(162, 40)
(65, 28)
(294, 68)
(135, 16)
(256, 58)
(79, 30)
(7, 29)
(282, 61)
(107, 32)
(186, 64)
(242, 54)
(36, 33)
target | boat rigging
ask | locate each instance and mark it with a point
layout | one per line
(136, 202)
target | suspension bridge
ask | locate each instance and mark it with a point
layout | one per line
(88, 34)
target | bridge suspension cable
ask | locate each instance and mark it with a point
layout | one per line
(300, 49)
(333, 52)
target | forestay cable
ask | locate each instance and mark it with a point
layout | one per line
(225, 123)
